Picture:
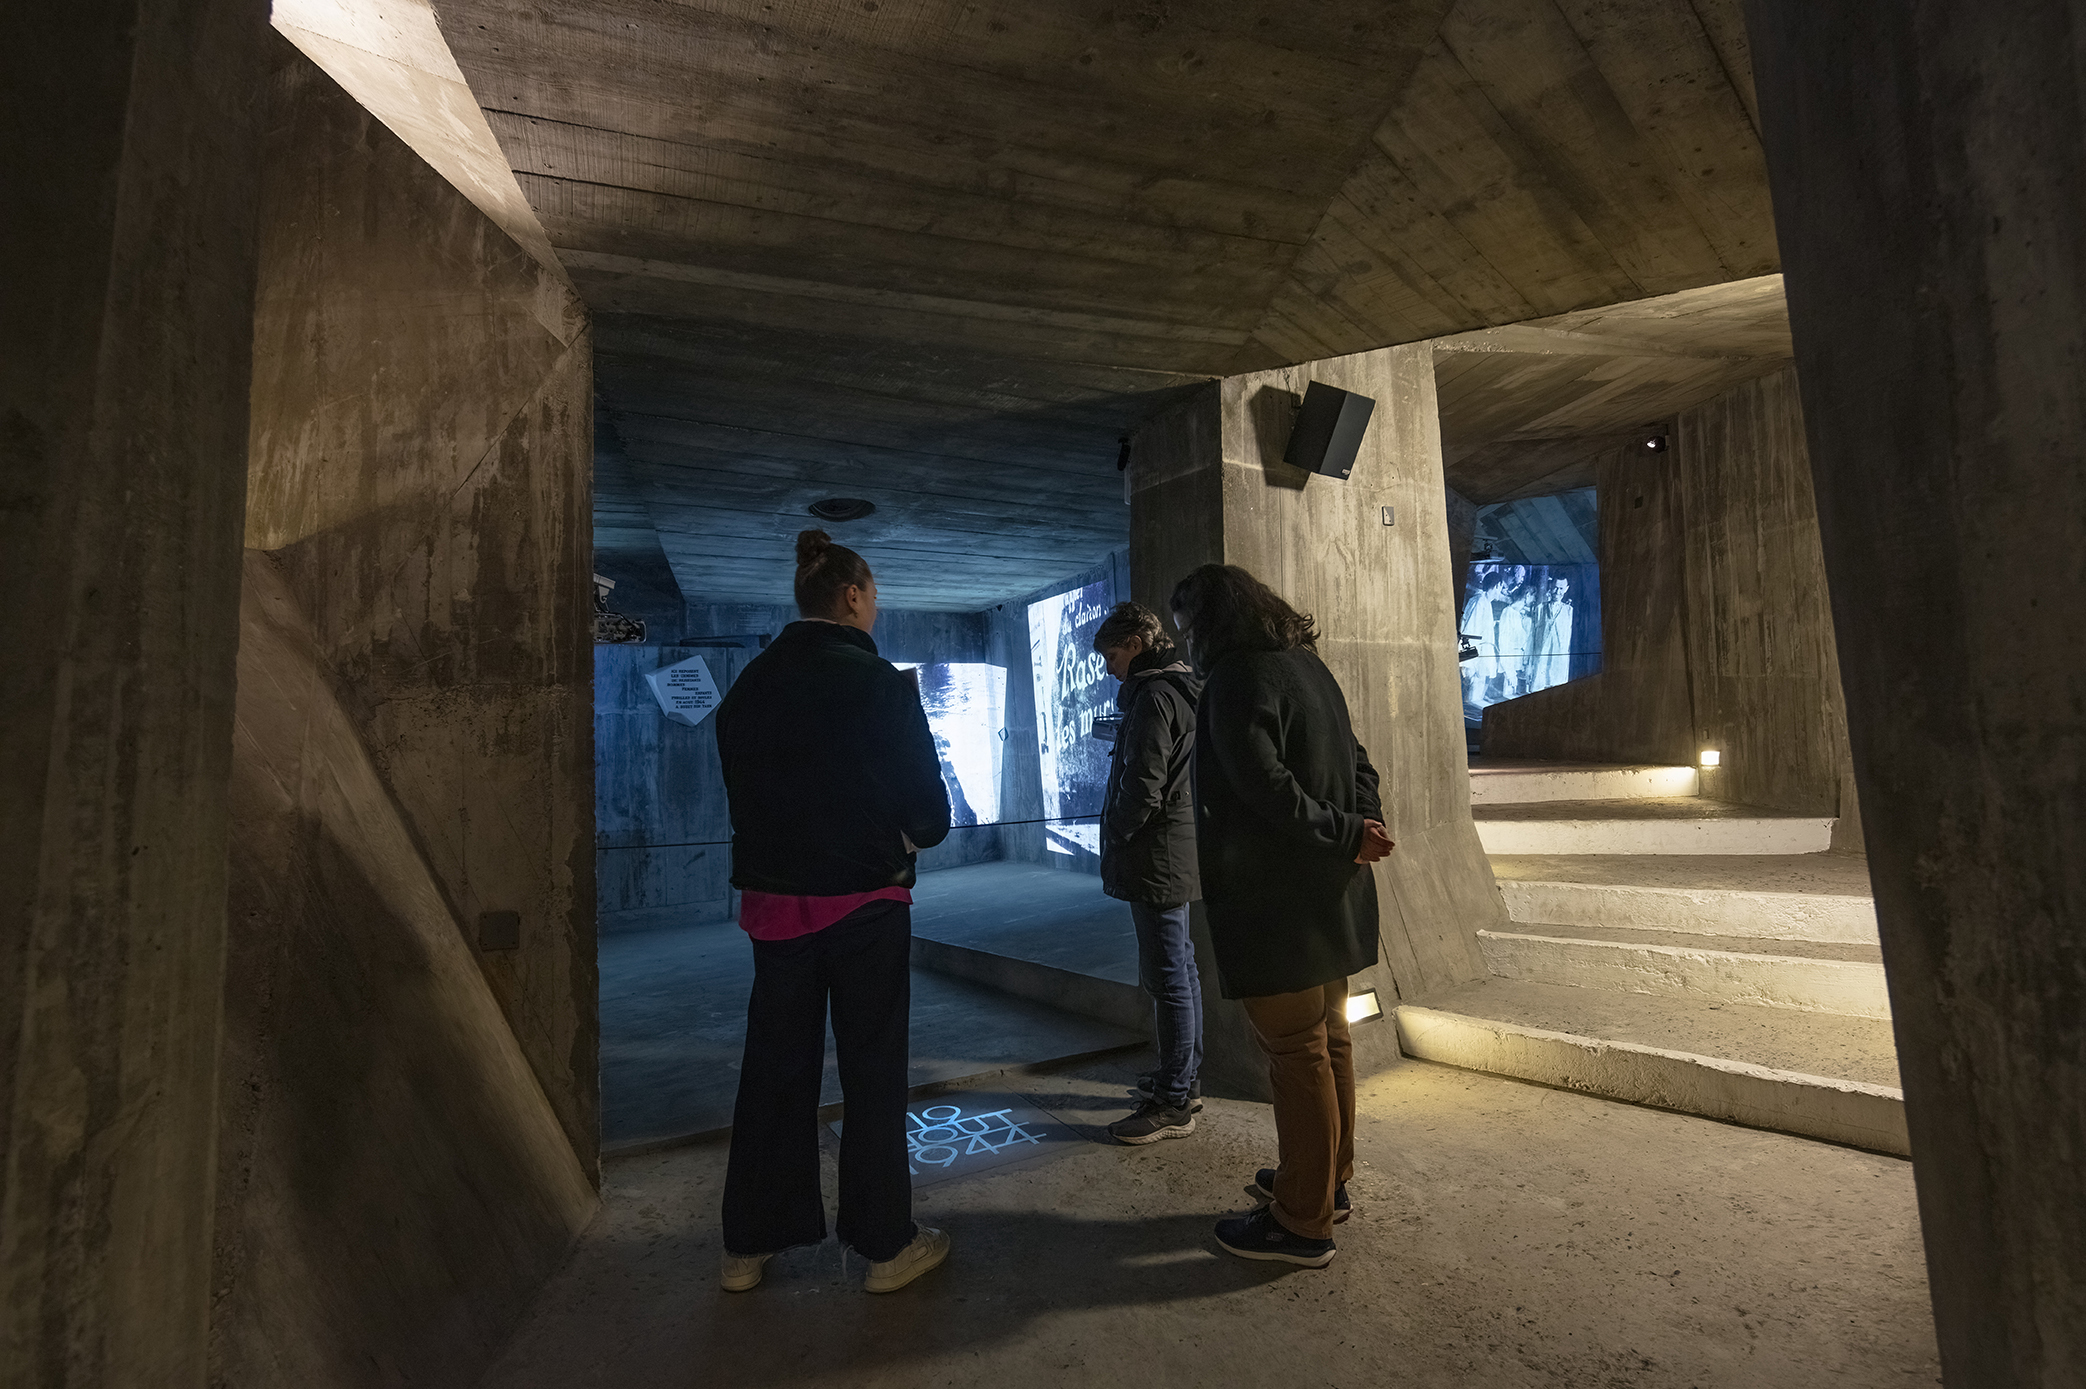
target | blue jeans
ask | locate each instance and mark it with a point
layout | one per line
(1166, 969)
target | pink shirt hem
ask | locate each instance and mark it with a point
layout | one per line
(775, 916)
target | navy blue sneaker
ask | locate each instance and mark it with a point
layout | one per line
(1260, 1236)
(1264, 1187)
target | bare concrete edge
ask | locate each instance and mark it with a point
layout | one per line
(1773, 835)
(1718, 911)
(1850, 1112)
(1524, 784)
(828, 1113)
(1853, 988)
(1090, 996)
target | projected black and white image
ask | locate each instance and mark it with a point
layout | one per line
(965, 703)
(1534, 626)
(1072, 689)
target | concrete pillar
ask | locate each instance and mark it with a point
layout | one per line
(127, 309)
(1208, 484)
(1927, 167)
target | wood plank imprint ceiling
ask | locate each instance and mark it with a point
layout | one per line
(941, 254)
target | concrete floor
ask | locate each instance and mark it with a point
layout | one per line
(1032, 912)
(1505, 1235)
(673, 1024)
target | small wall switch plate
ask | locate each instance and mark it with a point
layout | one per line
(499, 930)
(1390, 516)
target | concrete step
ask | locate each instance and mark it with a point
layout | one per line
(1089, 995)
(1819, 1075)
(1792, 897)
(1809, 976)
(1497, 782)
(1647, 825)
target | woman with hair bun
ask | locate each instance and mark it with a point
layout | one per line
(833, 782)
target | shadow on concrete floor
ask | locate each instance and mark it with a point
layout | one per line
(1504, 1236)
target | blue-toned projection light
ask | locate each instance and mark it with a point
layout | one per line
(965, 703)
(686, 691)
(1072, 690)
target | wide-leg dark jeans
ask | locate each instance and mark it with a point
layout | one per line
(862, 965)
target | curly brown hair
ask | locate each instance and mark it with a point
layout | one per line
(1222, 608)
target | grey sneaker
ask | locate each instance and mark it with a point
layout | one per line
(742, 1272)
(928, 1249)
(1152, 1122)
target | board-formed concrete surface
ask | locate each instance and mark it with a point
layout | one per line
(1505, 1237)
(1595, 957)
(1497, 781)
(1647, 825)
(1804, 897)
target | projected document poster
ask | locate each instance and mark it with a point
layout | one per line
(966, 703)
(1534, 626)
(1072, 688)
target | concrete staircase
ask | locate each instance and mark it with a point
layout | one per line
(1673, 951)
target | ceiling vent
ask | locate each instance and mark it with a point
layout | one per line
(841, 509)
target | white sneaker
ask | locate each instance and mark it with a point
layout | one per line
(928, 1249)
(742, 1272)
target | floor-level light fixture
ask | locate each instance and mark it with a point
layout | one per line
(1363, 1007)
(1712, 758)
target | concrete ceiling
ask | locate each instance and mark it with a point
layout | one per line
(941, 253)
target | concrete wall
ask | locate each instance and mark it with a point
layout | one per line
(662, 828)
(1927, 166)
(421, 437)
(394, 1182)
(1714, 618)
(1209, 485)
(411, 1104)
(126, 293)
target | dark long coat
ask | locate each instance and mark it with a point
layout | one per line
(1281, 791)
(1148, 810)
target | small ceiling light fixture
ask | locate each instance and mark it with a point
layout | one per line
(1655, 443)
(1712, 758)
(841, 508)
(1363, 1007)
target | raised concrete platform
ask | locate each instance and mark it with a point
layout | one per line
(1820, 1075)
(1497, 782)
(1800, 897)
(673, 1025)
(1821, 978)
(1647, 825)
(1036, 932)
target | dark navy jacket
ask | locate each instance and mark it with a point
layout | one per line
(829, 766)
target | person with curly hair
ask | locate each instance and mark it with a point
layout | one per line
(1287, 820)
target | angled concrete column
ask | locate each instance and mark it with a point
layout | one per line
(1928, 165)
(1208, 484)
(127, 310)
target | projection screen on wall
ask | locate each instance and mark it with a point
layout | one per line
(965, 702)
(1072, 688)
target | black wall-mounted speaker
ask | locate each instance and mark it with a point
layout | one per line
(1328, 430)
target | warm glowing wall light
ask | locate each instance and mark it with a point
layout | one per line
(1711, 757)
(1363, 1006)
